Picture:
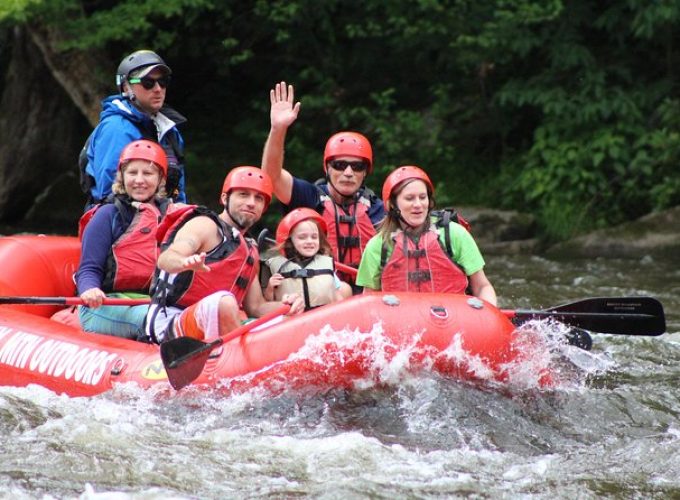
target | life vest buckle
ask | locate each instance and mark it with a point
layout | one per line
(419, 276)
(346, 219)
(348, 241)
(301, 273)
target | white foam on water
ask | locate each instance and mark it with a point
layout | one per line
(546, 351)
(199, 443)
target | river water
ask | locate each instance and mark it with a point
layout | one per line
(609, 429)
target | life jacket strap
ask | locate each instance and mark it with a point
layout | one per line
(305, 273)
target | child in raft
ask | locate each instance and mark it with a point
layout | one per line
(305, 265)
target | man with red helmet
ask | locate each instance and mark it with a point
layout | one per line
(411, 253)
(137, 112)
(351, 211)
(207, 267)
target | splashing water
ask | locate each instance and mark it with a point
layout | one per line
(606, 427)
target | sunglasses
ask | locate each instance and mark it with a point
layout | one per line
(149, 83)
(341, 165)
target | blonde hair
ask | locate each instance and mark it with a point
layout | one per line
(118, 186)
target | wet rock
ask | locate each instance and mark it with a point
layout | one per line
(654, 235)
(502, 231)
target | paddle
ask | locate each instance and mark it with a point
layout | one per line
(614, 315)
(262, 238)
(185, 357)
(70, 301)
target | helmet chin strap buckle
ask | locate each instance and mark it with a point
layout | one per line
(129, 94)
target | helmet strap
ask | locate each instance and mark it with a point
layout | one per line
(396, 213)
(129, 93)
(231, 217)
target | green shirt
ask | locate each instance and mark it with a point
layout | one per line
(465, 254)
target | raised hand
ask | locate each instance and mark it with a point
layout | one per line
(283, 112)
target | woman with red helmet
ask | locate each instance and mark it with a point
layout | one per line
(119, 249)
(305, 264)
(411, 252)
(351, 210)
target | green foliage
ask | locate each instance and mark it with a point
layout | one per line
(594, 157)
(17, 11)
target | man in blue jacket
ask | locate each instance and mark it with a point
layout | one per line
(138, 112)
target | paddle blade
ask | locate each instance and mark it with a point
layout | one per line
(622, 315)
(614, 315)
(184, 359)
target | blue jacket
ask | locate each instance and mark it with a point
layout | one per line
(120, 123)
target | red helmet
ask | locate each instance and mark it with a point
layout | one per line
(293, 218)
(145, 150)
(249, 178)
(348, 144)
(400, 175)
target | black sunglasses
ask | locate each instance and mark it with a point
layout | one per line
(341, 165)
(148, 83)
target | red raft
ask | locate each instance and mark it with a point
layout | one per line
(335, 344)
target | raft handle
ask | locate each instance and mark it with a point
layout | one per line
(439, 312)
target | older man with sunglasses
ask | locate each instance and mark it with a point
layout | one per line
(351, 210)
(137, 112)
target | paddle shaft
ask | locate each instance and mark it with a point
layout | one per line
(345, 268)
(71, 301)
(243, 329)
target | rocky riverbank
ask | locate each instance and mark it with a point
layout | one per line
(656, 235)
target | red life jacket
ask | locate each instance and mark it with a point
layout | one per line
(349, 227)
(132, 258)
(421, 267)
(231, 263)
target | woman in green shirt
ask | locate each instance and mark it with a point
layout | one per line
(410, 252)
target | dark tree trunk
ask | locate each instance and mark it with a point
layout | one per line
(85, 76)
(42, 132)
